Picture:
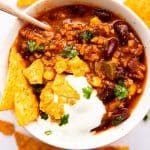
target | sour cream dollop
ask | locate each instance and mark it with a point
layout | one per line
(84, 116)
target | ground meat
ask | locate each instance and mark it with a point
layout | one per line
(137, 51)
(121, 72)
(91, 52)
(36, 34)
(136, 69)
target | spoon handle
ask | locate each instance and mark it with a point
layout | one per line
(21, 15)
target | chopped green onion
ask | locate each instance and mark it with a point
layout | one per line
(147, 116)
(87, 91)
(64, 119)
(117, 120)
(48, 132)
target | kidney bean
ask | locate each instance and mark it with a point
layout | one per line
(122, 30)
(112, 46)
(106, 95)
(103, 14)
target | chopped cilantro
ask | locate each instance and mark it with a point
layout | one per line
(64, 119)
(87, 35)
(120, 90)
(48, 132)
(87, 91)
(44, 116)
(117, 120)
(33, 46)
(69, 52)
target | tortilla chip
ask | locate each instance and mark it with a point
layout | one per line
(113, 148)
(47, 95)
(61, 65)
(21, 139)
(26, 104)
(78, 67)
(24, 3)
(54, 105)
(34, 73)
(6, 128)
(142, 8)
(61, 87)
(48, 105)
(25, 142)
(15, 63)
(18, 94)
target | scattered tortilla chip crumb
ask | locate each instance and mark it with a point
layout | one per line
(24, 3)
(141, 7)
(6, 128)
(25, 142)
(113, 148)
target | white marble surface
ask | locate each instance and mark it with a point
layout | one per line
(137, 139)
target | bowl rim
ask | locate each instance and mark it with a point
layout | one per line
(123, 129)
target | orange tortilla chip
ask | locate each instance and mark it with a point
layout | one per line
(25, 102)
(6, 128)
(113, 148)
(15, 65)
(18, 94)
(24, 3)
(25, 142)
(142, 8)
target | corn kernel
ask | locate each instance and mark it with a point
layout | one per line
(132, 89)
(96, 81)
(131, 43)
(95, 21)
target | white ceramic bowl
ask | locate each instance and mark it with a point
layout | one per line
(142, 107)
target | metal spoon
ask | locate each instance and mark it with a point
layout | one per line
(21, 15)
